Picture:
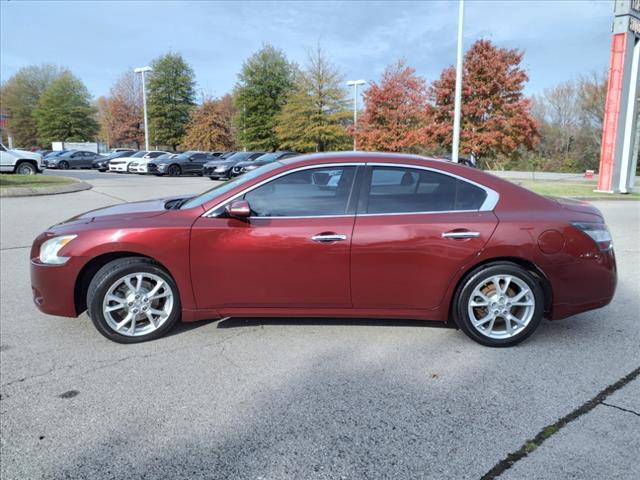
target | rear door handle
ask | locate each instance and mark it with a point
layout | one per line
(458, 235)
(328, 237)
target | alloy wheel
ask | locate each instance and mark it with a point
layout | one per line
(138, 304)
(501, 306)
(63, 165)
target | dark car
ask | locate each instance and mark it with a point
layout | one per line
(55, 153)
(102, 164)
(461, 160)
(221, 168)
(248, 165)
(341, 235)
(72, 159)
(185, 163)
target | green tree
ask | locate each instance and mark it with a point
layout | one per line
(263, 85)
(313, 118)
(19, 96)
(171, 99)
(65, 112)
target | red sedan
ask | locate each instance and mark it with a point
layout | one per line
(333, 235)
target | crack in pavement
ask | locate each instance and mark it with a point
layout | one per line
(109, 362)
(13, 248)
(530, 445)
(620, 408)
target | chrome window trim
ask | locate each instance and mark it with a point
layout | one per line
(209, 212)
(488, 205)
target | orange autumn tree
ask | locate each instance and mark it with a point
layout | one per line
(395, 112)
(211, 126)
(121, 113)
(496, 116)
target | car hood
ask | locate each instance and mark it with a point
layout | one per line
(27, 154)
(125, 211)
(578, 206)
(215, 163)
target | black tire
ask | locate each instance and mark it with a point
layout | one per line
(63, 165)
(111, 273)
(174, 170)
(476, 278)
(26, 168)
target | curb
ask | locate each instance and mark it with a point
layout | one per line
(605, 199)
(53, 190)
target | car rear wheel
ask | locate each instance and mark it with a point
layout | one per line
(63, 165)
(499, 305)
(26, 168)
(132, 300)
(174, 170)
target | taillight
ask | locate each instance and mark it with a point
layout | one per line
(598, 232)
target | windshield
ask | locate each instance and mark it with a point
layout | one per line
(239, 157)
(269, 157)
(184, 156)
(223, 188)
(165, 156)
(139, 154)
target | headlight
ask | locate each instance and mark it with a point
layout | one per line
(49, 250)
(248, 168)
(162, 166)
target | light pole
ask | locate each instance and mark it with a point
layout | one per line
(142, 71)
(354, 84)
(458, 95)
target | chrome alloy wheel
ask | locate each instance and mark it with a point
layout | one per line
(137, 304)
(501, 306)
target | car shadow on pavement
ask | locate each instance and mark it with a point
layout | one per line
(238, 322)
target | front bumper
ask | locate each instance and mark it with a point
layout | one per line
(118, 168)
(217, 171)
(53, 286)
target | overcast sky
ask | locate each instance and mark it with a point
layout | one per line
(99, 40)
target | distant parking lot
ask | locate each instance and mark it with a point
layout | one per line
(299, 398)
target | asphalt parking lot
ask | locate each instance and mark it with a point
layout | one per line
(309, 399)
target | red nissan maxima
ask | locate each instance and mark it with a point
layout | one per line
(332, 235)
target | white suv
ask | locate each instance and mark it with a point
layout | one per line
(19, 161)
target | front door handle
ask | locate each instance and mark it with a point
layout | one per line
(328, 237)
(460, 234)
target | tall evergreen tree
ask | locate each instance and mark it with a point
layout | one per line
(19, 96)
(65, 112)
(313, 118)
(171, 99)
(263, 85)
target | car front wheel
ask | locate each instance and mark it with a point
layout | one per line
(174, 171)
(132, 300)
(26, 168)
(63, 165)
(499, 305)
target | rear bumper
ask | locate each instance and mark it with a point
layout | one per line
(53, 286)
(586, 285)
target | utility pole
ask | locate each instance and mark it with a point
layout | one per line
(142, 71)
(354, 84)
(458, 95)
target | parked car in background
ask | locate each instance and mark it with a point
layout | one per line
(72, 159)
(102, 164)
(43, 152)
(248, 165)
(346, 235)
(141, 165)
(19, 161)
(190, 162)
(221, 168)
(121, 165)
(55, 153)
(116, 150)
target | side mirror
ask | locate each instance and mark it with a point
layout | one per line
(239, 209)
